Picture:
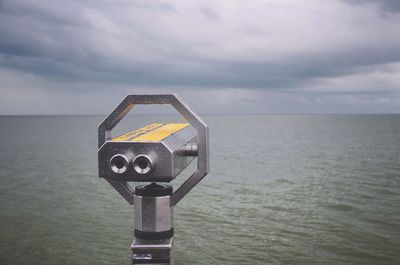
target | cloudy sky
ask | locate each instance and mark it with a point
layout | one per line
(270, 56)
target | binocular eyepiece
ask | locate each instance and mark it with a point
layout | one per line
(119, 164)
(141, 164)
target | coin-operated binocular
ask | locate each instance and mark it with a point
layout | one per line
(155, 153)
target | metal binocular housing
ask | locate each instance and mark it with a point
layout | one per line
(155, 153)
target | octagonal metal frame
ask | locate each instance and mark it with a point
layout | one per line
(105, 128)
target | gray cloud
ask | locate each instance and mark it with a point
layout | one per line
(222, 47)
(390, 6)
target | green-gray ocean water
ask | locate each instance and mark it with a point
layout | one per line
(301, 189)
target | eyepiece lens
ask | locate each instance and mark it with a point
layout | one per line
(119, 164)
(142, 164)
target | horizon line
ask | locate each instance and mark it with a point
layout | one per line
(210, 114)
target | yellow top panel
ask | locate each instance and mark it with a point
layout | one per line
(131, 135)
(152, 133)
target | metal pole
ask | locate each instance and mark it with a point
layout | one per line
(153, 225)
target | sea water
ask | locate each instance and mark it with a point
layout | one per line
(283, 189)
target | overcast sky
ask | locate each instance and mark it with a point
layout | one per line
(73, 57)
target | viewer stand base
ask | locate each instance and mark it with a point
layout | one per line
(157, 252)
